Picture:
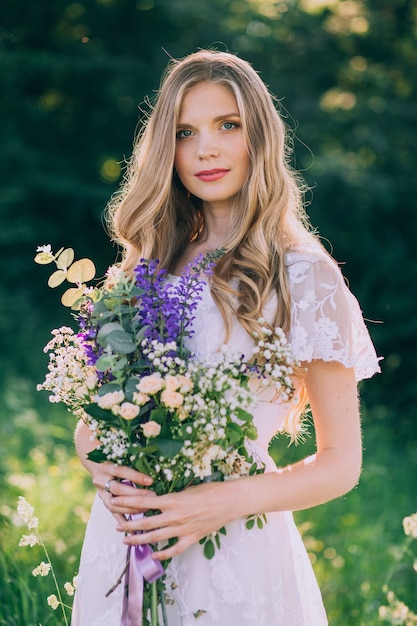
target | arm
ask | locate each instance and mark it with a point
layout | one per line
(331, 472)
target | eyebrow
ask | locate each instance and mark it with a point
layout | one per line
(224, 116)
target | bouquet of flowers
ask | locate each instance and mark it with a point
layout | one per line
(149, 402)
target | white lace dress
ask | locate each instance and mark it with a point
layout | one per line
(258, 577)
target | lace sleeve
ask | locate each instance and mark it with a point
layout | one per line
(327, 322)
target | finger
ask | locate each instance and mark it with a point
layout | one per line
(128, 473)
(152, 536)
(168, 553)
(121, 489)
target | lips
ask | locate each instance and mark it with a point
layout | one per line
(211, 175)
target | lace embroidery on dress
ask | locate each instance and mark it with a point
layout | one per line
(327, 322)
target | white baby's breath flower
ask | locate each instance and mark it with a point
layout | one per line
(33, 523)
(43, 569)
(410, 525)
(53, 601)
(24, 509)
(28, 540)
(69, 588)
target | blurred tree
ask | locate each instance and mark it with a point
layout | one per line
(73, 74)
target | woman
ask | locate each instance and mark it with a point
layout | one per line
(210, 171)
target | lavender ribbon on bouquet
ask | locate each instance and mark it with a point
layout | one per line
(139, 566)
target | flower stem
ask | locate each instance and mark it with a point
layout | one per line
(154, 605)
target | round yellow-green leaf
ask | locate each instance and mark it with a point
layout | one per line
(44, 258)
(65, 259)
(70, 297)
(81, 271)
(57, 278)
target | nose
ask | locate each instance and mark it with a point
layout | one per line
(207, 146)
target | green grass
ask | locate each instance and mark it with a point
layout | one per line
(355, 542)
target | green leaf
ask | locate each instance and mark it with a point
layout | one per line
(250, 523)
(142, 465)
(97, 412)
(251, 432)
(234, 433)
(130, 387)
(209, 549)
(97, 456)
(259, 522)
(108, 388)
(104, 362)
(107, 329)
(121, 341)
(243, 415)
(119, 364)
(158, 415)
(168, 447)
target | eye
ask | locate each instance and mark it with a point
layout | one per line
(183, 134)
(229, 125)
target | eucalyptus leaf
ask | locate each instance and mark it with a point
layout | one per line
(57, 278)
(81, 271)
(104, 362)
(65, 259)
(105, 330)
(131, 387)
(121, 341)
(71, 296)
(109, 388)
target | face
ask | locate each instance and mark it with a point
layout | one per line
(211, 158)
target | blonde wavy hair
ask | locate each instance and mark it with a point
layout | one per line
(153, 216)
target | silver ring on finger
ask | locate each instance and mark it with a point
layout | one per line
(107, 485)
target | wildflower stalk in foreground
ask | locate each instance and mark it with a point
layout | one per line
(25, 512)
(397, 612)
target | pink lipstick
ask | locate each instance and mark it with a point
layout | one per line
(211, 175)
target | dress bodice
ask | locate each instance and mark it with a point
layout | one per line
(326, 323)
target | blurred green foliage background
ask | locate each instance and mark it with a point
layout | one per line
(74, 80)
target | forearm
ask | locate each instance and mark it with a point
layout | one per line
(84, 443)
(306, 484)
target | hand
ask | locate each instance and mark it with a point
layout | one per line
(111, 475)
(188, 515)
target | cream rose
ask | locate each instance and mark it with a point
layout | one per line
(140, 398)
(151, 429)
(172, 383)
(128, 410)
(150, 384)
(110, 399)
(186, 384)
(172, 399)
